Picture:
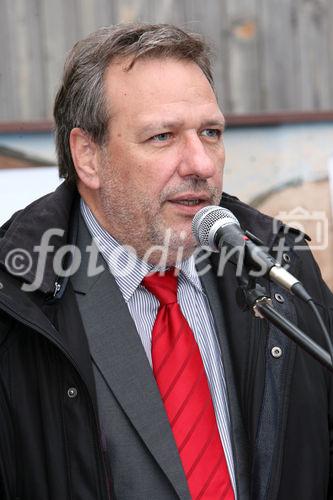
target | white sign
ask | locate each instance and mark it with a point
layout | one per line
(21, 186)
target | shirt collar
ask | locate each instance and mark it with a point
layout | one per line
(127, 269)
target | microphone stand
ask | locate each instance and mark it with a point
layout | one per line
(253, 296)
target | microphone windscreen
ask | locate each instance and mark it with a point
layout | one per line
(207, 220)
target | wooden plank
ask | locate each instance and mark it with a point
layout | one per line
(150, 11)
(330, 56)
(244, 40)
(71, 28)
(28, 58)
(106, 12)
(4, 63)
(62, 27)
(55, 47)
(279, 55)
(129, 11)
(315, 26)
(87, 11)
(171, 11)
(22, 58)
(147, 11)
(10, 106)
(212, 21)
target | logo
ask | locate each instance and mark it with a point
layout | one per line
(311, 223)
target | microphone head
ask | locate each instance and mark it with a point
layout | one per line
(207, 221)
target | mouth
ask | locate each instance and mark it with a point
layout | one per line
(187, 203)
(190, 203)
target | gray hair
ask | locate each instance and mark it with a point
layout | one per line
(80, 100)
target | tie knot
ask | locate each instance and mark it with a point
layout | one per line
(163, 286)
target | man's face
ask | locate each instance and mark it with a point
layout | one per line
(164, 157)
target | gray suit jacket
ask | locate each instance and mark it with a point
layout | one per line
(143, 457)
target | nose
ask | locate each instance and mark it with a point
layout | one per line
(196, 160)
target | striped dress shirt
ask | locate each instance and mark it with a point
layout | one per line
(129, 272)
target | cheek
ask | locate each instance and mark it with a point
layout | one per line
(141, 185)
(154, 176)
(149, 173)
(220, 164)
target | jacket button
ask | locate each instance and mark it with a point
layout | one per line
(276, 352)
(72, 392)
(279, 297)
(286, 258)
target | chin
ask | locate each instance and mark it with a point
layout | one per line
(173, 251)
(181, 251)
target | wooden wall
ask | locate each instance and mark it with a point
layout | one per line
(272, 55)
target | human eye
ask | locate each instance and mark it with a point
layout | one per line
(162, 137)
(212, 133)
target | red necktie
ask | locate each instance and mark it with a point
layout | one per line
(182, 382)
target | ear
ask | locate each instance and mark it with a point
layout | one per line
(85, 158)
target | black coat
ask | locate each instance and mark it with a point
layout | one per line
(50, 446)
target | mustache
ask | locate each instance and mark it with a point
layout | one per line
(193, 185)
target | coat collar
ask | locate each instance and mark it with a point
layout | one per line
(49, 215)
(262, 226)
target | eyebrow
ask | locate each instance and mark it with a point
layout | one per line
(178, 123)
(214, 123)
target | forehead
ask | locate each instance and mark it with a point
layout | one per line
(157, 84)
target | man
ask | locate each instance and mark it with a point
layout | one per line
(90, 401)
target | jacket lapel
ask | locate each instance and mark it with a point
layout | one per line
(116, 348)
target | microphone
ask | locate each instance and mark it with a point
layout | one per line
(218, 228)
